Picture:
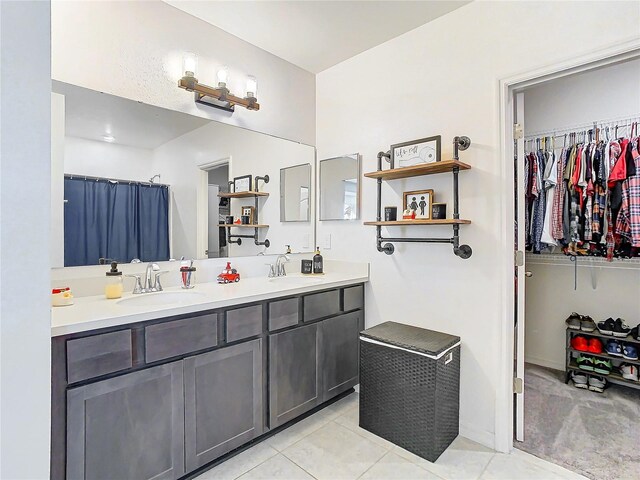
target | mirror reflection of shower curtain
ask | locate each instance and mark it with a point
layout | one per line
(114, 220)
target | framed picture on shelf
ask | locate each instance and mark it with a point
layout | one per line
(242, 184)
(419, 201)
(249, 212)
(416, 152)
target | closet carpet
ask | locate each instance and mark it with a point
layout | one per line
(596, 435)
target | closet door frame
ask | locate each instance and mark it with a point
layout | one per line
(508, 87)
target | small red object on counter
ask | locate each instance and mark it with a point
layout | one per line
(229, 275)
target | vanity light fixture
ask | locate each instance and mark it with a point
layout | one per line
(220, 96)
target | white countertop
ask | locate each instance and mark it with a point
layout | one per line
(93, 312)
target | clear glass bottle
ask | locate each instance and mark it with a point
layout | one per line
(113, 286)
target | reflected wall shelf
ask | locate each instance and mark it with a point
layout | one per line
(256, 195)
(447, 166)
(410, 223)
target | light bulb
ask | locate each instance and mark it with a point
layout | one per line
(189, 64)
(252, 87)
(223, 76)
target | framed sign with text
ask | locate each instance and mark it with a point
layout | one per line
(416, 152)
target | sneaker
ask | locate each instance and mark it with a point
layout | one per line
(597, 384)
(573, 322)
(605, 327)
(579, 343)
(579, 380)
(585, 363)
(629, 372)
(614, 348)
(594, 345)
(620, 329)
(630, 352)
(587, 324)
(634, 333)
(602, 366)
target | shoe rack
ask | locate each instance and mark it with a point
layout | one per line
(614, 377)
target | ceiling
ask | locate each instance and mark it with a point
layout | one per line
(316, 35)
(91, 115)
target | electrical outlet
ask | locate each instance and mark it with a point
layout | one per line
(326, 241)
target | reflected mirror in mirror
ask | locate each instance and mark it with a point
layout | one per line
(340, 188)
(133, 181)
(295, 189)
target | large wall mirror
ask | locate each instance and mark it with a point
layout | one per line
(133, 181)
(295, 191)
(340, 188)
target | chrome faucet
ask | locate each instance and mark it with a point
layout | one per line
(280, 271)
(151, 281)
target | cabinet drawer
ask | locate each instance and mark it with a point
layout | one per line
(353, 298)
(98, 355)
(283, 313)
(244, 322)
(169, 339)
(321, 305)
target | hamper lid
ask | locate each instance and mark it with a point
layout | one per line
(411, 338)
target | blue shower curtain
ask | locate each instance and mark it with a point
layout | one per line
(114, 220)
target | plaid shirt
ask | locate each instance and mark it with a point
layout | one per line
(558, 199)
(628, 222)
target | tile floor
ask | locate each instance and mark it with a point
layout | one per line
(330, 445)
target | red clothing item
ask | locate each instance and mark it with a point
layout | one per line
(619, 171)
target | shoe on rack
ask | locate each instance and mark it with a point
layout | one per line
(620, 328)
(629, 372)
(602, 366)
(579, 380)
(585, 363)
(605, 327)
(594, 345)
(597, 384)
(630, 352)
(573, 321)
(634, 332)
(587, 324)
(614, 348)
(579, 343)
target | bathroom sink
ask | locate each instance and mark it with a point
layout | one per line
(161, 298)
(296, 280)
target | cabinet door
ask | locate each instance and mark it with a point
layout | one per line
(223, 401)
(293, 373)
(339, 353)
(128, 427)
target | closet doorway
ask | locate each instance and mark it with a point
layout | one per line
(570, 130)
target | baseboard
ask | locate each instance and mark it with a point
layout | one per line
(544, 362)
(482, 437)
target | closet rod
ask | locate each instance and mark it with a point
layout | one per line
(117, 180)
(559, 132)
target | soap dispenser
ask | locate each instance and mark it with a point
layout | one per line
(113, 286)
(317, 262)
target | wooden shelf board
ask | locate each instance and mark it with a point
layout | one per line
(243, 194)
(409, 223)
(260, 225)
(419, 170)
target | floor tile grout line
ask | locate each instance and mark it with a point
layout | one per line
(374, 464)
(493, 456)
(256, 466)
(300, 466)
(362, 436)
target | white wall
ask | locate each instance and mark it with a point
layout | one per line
(251, 153)
(134, 50)
(607, 93)
(108, 160)
(443, 78)
(603, 94)
(25, 319)
(57, 179)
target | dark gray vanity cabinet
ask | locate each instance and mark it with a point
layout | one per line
(223, 401)
(294, 376)
(131, 426)
(339, 353)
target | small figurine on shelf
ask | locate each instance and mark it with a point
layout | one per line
(409, 214)
(229, 275)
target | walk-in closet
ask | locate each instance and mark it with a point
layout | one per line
(578, 222)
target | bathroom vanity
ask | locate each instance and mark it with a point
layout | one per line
(160, 392)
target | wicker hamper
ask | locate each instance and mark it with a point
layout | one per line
(410, 387)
